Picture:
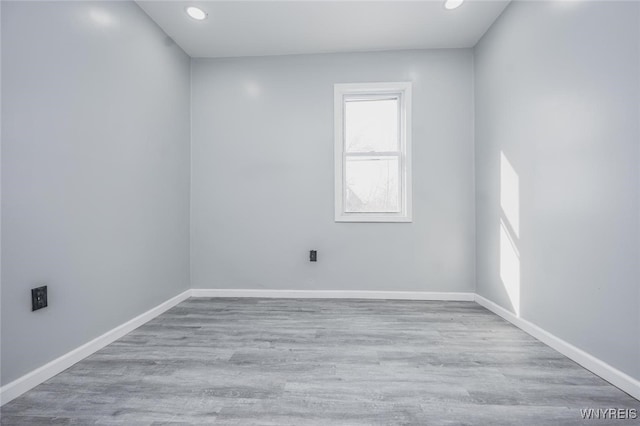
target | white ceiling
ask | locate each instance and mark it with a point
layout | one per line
(259, 28)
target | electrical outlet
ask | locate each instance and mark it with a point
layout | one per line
(313, 256)
(38, 298)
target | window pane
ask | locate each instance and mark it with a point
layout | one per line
(371, 126)
(372, 184)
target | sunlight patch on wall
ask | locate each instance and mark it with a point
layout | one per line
(510, 267)
(509, 232)
(510, 193)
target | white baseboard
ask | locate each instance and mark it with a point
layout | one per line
(588, 361)
(335, 294)
(30, 380)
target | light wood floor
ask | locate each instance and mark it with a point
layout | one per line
(321, 362)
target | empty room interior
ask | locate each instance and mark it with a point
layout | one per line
(320, 212)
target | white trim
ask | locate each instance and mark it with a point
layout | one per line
(403, 91)
(600, 368)
(334, 294)
(30, 380)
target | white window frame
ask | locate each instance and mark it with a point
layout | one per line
(403, 91)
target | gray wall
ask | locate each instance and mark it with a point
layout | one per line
(262, 176)
(95, 173)
(558, 92)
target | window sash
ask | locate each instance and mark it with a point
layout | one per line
(398, 153)
(373, 156)
(373, 97)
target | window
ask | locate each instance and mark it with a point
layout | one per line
(373, 152)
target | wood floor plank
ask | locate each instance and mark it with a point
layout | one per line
(241, 361)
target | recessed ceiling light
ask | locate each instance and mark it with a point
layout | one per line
(196, 13)
(452, 4)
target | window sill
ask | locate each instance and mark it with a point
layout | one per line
(366, 217)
